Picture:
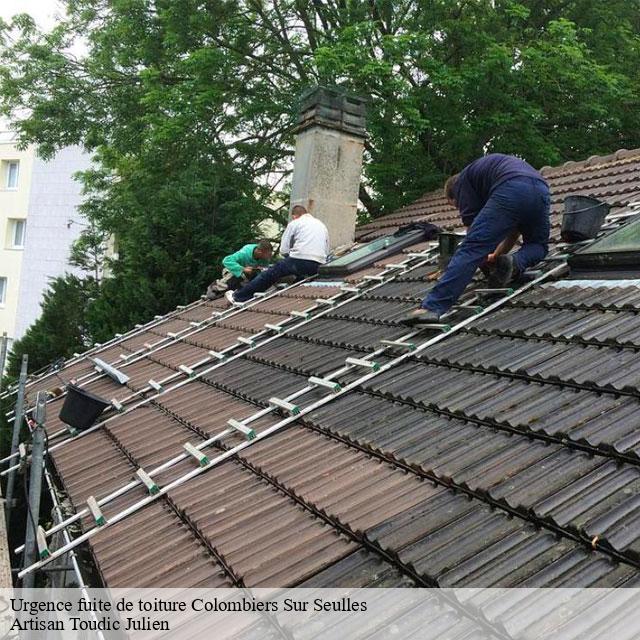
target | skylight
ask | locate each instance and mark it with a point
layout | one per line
(370, 253)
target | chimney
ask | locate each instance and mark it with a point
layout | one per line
(326, 175)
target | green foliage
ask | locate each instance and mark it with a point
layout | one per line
(60, 330)
(189, 107)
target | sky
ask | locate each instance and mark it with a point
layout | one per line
(43, 11)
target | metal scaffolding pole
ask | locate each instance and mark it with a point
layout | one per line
(17, 425)
(3, 355)
(35, 488)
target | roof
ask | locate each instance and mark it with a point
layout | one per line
(505, 454)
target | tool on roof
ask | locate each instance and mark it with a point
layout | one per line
(110, 370)
(284, 422)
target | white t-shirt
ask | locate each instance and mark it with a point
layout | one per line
(306, 238)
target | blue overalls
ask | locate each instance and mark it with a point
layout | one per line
(514, 202)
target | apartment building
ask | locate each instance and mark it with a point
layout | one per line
(38, 223)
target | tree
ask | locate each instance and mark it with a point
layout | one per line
(189, 107)
(60, 330)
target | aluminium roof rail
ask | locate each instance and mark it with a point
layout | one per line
(288, 420)
(175, 337)
(295, 322)
(42, 374)
(274, 403)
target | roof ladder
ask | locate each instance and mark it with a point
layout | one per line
(274, 428)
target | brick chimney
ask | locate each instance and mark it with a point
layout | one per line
(326, 175)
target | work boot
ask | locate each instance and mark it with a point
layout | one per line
(231, 300)
(503, 272)
(420, 316)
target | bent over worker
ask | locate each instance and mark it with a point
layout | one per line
(304, 246)
(500, 198)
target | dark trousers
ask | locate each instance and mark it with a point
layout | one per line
(518, 204)
(281, 269)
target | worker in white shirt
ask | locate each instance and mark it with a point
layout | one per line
(304, 247)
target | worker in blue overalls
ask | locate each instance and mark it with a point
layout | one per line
(500, 198)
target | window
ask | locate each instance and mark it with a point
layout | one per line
(370, 253)
(617, 249)
(17, 229)
(12, 175)
(3, 290)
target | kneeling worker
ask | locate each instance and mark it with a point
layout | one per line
(304, 246)
(500, 198)
(240, 267)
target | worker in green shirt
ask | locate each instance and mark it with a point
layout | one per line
(240, 267)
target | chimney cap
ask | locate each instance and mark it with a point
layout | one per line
(332, 108)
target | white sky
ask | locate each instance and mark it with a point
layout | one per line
(42, 11)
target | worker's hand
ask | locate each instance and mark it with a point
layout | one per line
(248, 270)
(491, 258)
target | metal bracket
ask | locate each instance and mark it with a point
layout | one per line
(43, 548)
(188, 371)
(248, 341)
(248, 432)
(398, 344)
(155, 385)
(116, 405)
(323, 382)
(299, 314)
(360, 362)
(273, 327)
(217, 355)
(96, 512)
(289, 407)
(202, 459)
(152, 487)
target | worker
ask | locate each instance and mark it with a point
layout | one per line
(500, 198)
(240, 267)
(304, 247)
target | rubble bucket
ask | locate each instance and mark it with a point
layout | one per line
(81, 408)
(583, 217)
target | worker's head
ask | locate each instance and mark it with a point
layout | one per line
(297, 211)
(263, 251)
(450, 190)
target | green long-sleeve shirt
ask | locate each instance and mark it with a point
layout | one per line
(242, 258)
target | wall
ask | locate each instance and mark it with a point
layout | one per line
(13, 204)
(53, 201)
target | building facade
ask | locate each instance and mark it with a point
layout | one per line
(39, 221)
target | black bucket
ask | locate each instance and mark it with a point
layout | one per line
(583, 217)
(81, 408)
(447, 245)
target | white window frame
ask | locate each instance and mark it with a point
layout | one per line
(3, 290)
(8, 185)
(15, 224)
